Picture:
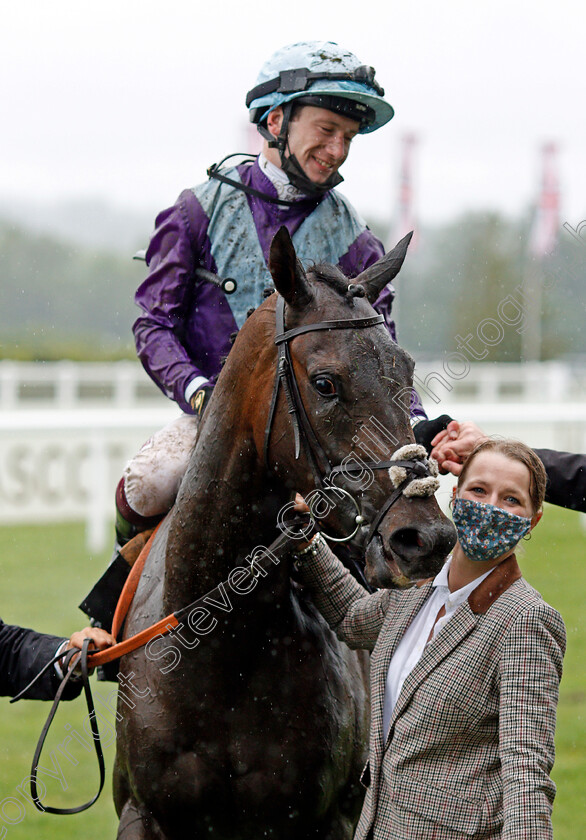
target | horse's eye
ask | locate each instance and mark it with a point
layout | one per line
(324, 386)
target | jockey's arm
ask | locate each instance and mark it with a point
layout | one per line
(166, 298)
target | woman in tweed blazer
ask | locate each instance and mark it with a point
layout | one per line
(463, 712)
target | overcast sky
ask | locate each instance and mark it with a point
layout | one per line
(132, 101)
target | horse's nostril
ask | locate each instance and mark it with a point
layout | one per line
(408, 540)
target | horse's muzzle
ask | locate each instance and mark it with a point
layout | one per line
(409, 554)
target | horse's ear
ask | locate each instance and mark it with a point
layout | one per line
(286, 270)
(376, 277)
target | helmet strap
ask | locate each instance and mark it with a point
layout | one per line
(292, 168)
(266, 134)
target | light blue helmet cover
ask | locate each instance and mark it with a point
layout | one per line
(326, 57)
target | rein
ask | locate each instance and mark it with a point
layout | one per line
(70, 664)
(259, 564)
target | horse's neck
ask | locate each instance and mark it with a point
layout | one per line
(222, 512)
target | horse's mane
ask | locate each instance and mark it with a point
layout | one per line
(336, 280)
(331, 275)
(323, 272)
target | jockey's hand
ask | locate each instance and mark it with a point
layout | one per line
(200, 399)
(452, 446)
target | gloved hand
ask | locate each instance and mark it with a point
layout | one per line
(200, 399)
(426, 430)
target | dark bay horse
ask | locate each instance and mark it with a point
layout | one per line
(252, 721)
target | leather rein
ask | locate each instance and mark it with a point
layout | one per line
(259, 564)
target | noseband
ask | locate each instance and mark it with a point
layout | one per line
(304, 436)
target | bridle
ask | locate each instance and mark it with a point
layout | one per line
(304, 435)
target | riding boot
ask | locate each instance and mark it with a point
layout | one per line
(100, 603)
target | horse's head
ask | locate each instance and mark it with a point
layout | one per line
(349, 397)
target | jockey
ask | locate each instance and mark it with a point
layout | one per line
(309, 101)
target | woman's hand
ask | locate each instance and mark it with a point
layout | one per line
(300, 504)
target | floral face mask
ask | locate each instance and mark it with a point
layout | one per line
(485, 532)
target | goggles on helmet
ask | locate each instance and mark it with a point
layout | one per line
(324, 75)
(350, 108)
(294, 81)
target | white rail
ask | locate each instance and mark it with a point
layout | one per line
(65, 465)
(451, 380)
(66, 429)
(67, 385)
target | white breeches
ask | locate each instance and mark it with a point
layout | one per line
(153, 476)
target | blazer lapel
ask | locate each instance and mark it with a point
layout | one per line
(392, 631)
(493, 586)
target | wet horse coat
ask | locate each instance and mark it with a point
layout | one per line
(251, 721)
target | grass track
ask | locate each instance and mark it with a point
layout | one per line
(45, 571)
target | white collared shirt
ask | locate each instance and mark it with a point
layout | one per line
(413, 643)
(279, 179)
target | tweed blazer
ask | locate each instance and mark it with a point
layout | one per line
(471, 739)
